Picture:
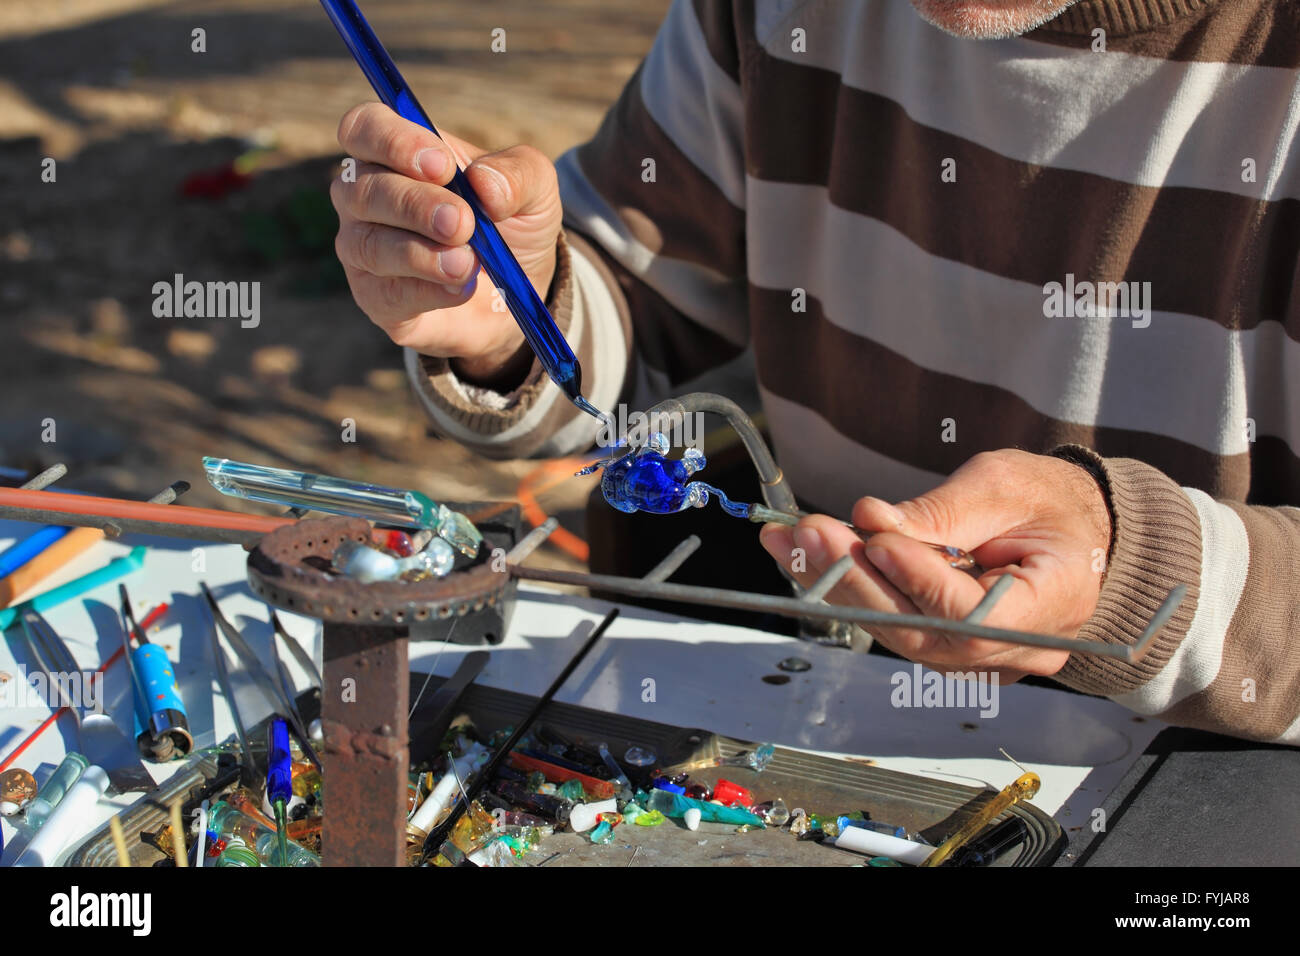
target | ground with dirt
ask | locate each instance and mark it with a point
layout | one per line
(142, 130)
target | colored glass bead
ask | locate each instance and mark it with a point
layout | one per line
(640, 756)
(651, 818)
(756, 759)
(698, 791)
(571, 790)
(779, 815)
(604, 833)
(732, 793)
(238, 855)
(663, 783)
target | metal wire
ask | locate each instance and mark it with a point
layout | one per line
(649, 588)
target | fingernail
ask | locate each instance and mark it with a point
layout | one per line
(890, 510)
(432, 162)
(501, 181)
(446, 220)
(810, 541)
(466, 289)
(455, 263)
(883, 561)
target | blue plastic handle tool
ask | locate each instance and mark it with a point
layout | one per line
(279, 769)
(20, 552)
(162, 728)
(119, 567)
(498, 261)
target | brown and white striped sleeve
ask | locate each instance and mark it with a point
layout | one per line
(1229, 659)
(651, 286)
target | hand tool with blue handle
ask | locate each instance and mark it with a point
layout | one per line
(279, 779)
(162, 726)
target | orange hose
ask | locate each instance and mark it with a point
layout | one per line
(565, 540)
(109, 508)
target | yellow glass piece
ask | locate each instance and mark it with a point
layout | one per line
(1023, 788)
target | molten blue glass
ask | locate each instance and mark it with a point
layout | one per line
(647, 480)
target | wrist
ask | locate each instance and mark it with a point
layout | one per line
(502, 371)
(1094, 488)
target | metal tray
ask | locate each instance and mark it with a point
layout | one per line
(818, 784)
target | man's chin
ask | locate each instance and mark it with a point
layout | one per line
(989, 19)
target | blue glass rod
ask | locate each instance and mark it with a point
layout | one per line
(498, 261)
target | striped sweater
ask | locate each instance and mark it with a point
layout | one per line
(897, 235)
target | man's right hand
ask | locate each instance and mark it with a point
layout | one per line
(402, 238)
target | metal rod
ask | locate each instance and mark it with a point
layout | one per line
(1163, 614)
(794, 607)
(532, 540)
(981, 610)
(46, 478)
(822, 586)
(776, 490)
(666, 568)
(247, 770)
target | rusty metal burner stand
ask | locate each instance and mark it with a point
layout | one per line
(365, 700)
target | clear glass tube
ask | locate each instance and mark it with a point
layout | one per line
(300, 489)
(47, 798)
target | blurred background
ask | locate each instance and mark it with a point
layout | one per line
(217, 165)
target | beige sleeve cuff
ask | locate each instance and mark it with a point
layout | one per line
(1155, 545)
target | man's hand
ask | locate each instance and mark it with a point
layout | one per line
(402, 237)
(1041, 519)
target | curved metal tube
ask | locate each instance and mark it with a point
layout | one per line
(776, 490)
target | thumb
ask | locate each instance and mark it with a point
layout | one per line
(965, 511)
(519, 181)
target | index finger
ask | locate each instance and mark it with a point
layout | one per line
(373, 133)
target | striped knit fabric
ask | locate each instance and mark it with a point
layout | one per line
(928, 247)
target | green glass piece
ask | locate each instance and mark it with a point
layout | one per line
(604, 833)
(650, 818)
(631, 811)
(571, 790)
(675, 805)
(882, 861)
(815, 821)
(457, 530)
(535, 780)
(237, 856)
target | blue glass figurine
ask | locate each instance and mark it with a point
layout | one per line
(647, 480)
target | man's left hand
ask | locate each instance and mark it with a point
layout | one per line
(1042, 519)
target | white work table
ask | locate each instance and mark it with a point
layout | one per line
(705, 676)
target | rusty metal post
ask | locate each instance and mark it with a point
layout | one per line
(366, 757)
